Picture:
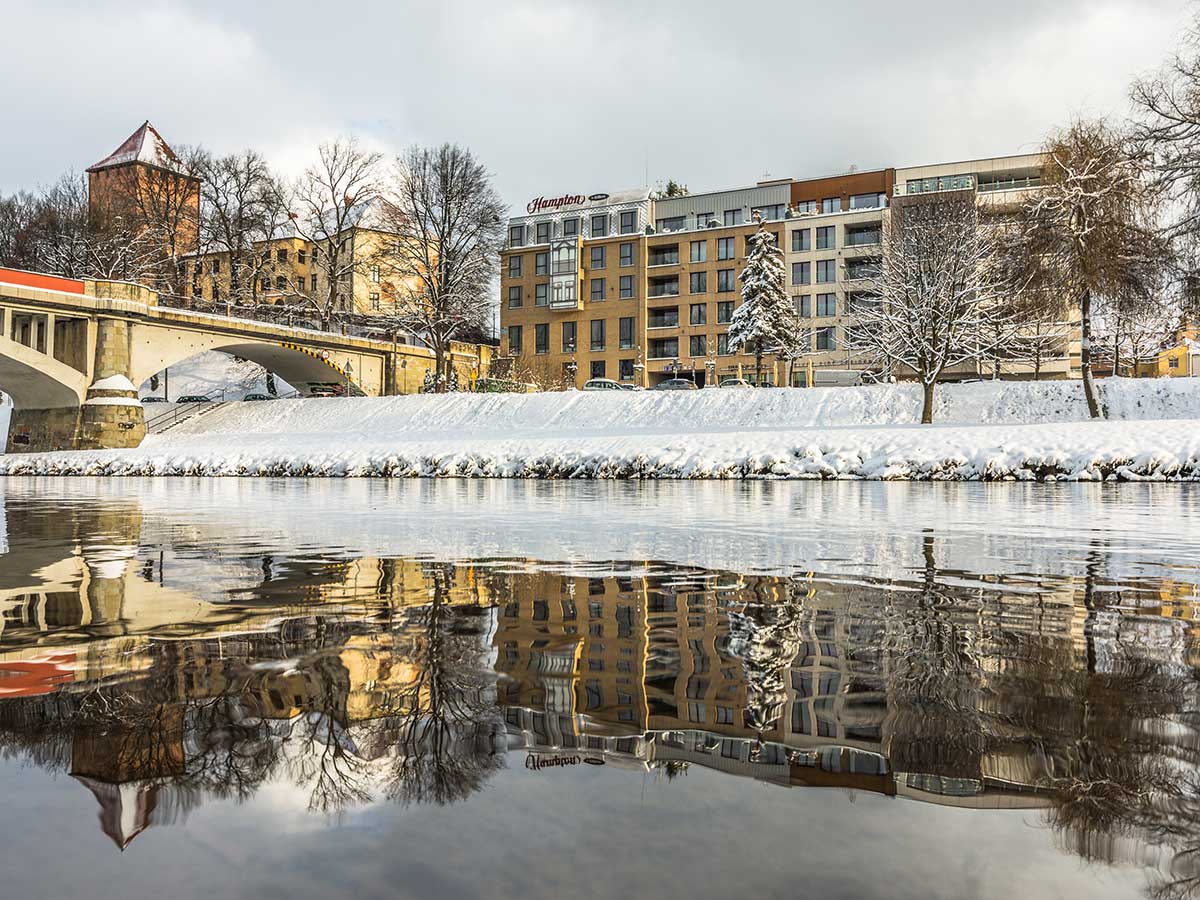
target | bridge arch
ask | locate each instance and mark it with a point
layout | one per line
(36, 381)
(294, 364)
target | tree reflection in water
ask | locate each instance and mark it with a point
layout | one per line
(410, 681)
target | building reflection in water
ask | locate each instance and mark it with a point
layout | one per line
(411, 680)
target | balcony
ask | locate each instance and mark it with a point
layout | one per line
(1010, 184)
(664, 287)
(663, 256)
(866, 237)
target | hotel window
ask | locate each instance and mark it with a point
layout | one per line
(541, 338)
(698, 282)
(831, 205)
(868, 201)
(280, 283)
(768, 213)
(665, 317)
(570, 227)
(724, 312)
(543, 232)
(281, 255)
(514, 297)
(599, 226)
(628, 221)
(801, 240)
(564, 293)
(726, 281)
(597, 334)
(313, 279)
(722, 344)
(375, 274)
(300, 283)
(216, 266)
(725, 248)
(733, 217)
(826, 304)
(801, 273)
(702, 219)
(803, 305)
(541, 294)
(627, 254)
(675, 223)
(598, 290)
(626, 369)
(301, 256)
(514, 340)
(825, 340)
(562, 260)
(699, 314)
(516, 236)
(806, 206)
(374, 301)
(699, 251)
(826, 237)
(598, 370)
(626, 332)
(514, 267)
(826, 271)
(597, 257)
(568, 337)
(664, 348)
(541, 264)
(698, 345)
(626, 287)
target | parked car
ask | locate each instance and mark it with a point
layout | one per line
(736, 383)
(193, 398)
(601, 384)
(629, 386)
(676, 384)
(325, 390)
(258, 397)
(154, 399)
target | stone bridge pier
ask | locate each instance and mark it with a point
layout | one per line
(109, 414)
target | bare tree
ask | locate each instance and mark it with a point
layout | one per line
(939, 297)
(446, 217)
(1091, 225)
(333, 196)
(243, 205)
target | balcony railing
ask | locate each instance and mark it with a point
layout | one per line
(663, 291)
(1011, 184)
(863, 238)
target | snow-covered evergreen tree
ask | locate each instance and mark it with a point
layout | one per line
(761, 321)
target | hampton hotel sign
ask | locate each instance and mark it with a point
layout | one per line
(568, 202)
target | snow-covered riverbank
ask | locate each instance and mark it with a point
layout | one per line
(989, 431)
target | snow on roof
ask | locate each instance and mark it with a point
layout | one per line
(145, 145)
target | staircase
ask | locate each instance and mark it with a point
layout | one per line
(167, 420)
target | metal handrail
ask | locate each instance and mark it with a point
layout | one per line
(177, 414)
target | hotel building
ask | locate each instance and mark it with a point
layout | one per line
(640, 288)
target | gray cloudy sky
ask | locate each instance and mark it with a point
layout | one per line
(572, 96)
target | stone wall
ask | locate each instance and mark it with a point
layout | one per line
(38, 430)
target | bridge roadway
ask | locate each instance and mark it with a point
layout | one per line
(74, 352)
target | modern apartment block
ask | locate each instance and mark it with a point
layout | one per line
(641, 288)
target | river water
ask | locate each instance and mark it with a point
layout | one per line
(256, 688)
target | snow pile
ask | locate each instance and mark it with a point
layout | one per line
(1002, 432)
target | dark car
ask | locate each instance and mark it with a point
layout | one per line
(193, 398)
(325, 390)
(676, 384)
(258, 397)
(154, 399)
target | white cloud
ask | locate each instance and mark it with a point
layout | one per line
(558, 95)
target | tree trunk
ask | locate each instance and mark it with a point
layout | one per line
(758, 366)
(1085, 354)
(927, 404)
(439, 361)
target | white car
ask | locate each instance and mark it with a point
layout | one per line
(602, 384)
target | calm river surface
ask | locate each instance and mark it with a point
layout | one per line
(256, 688)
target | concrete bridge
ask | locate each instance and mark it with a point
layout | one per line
(73, 354)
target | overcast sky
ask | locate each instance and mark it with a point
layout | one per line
(566, 96)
